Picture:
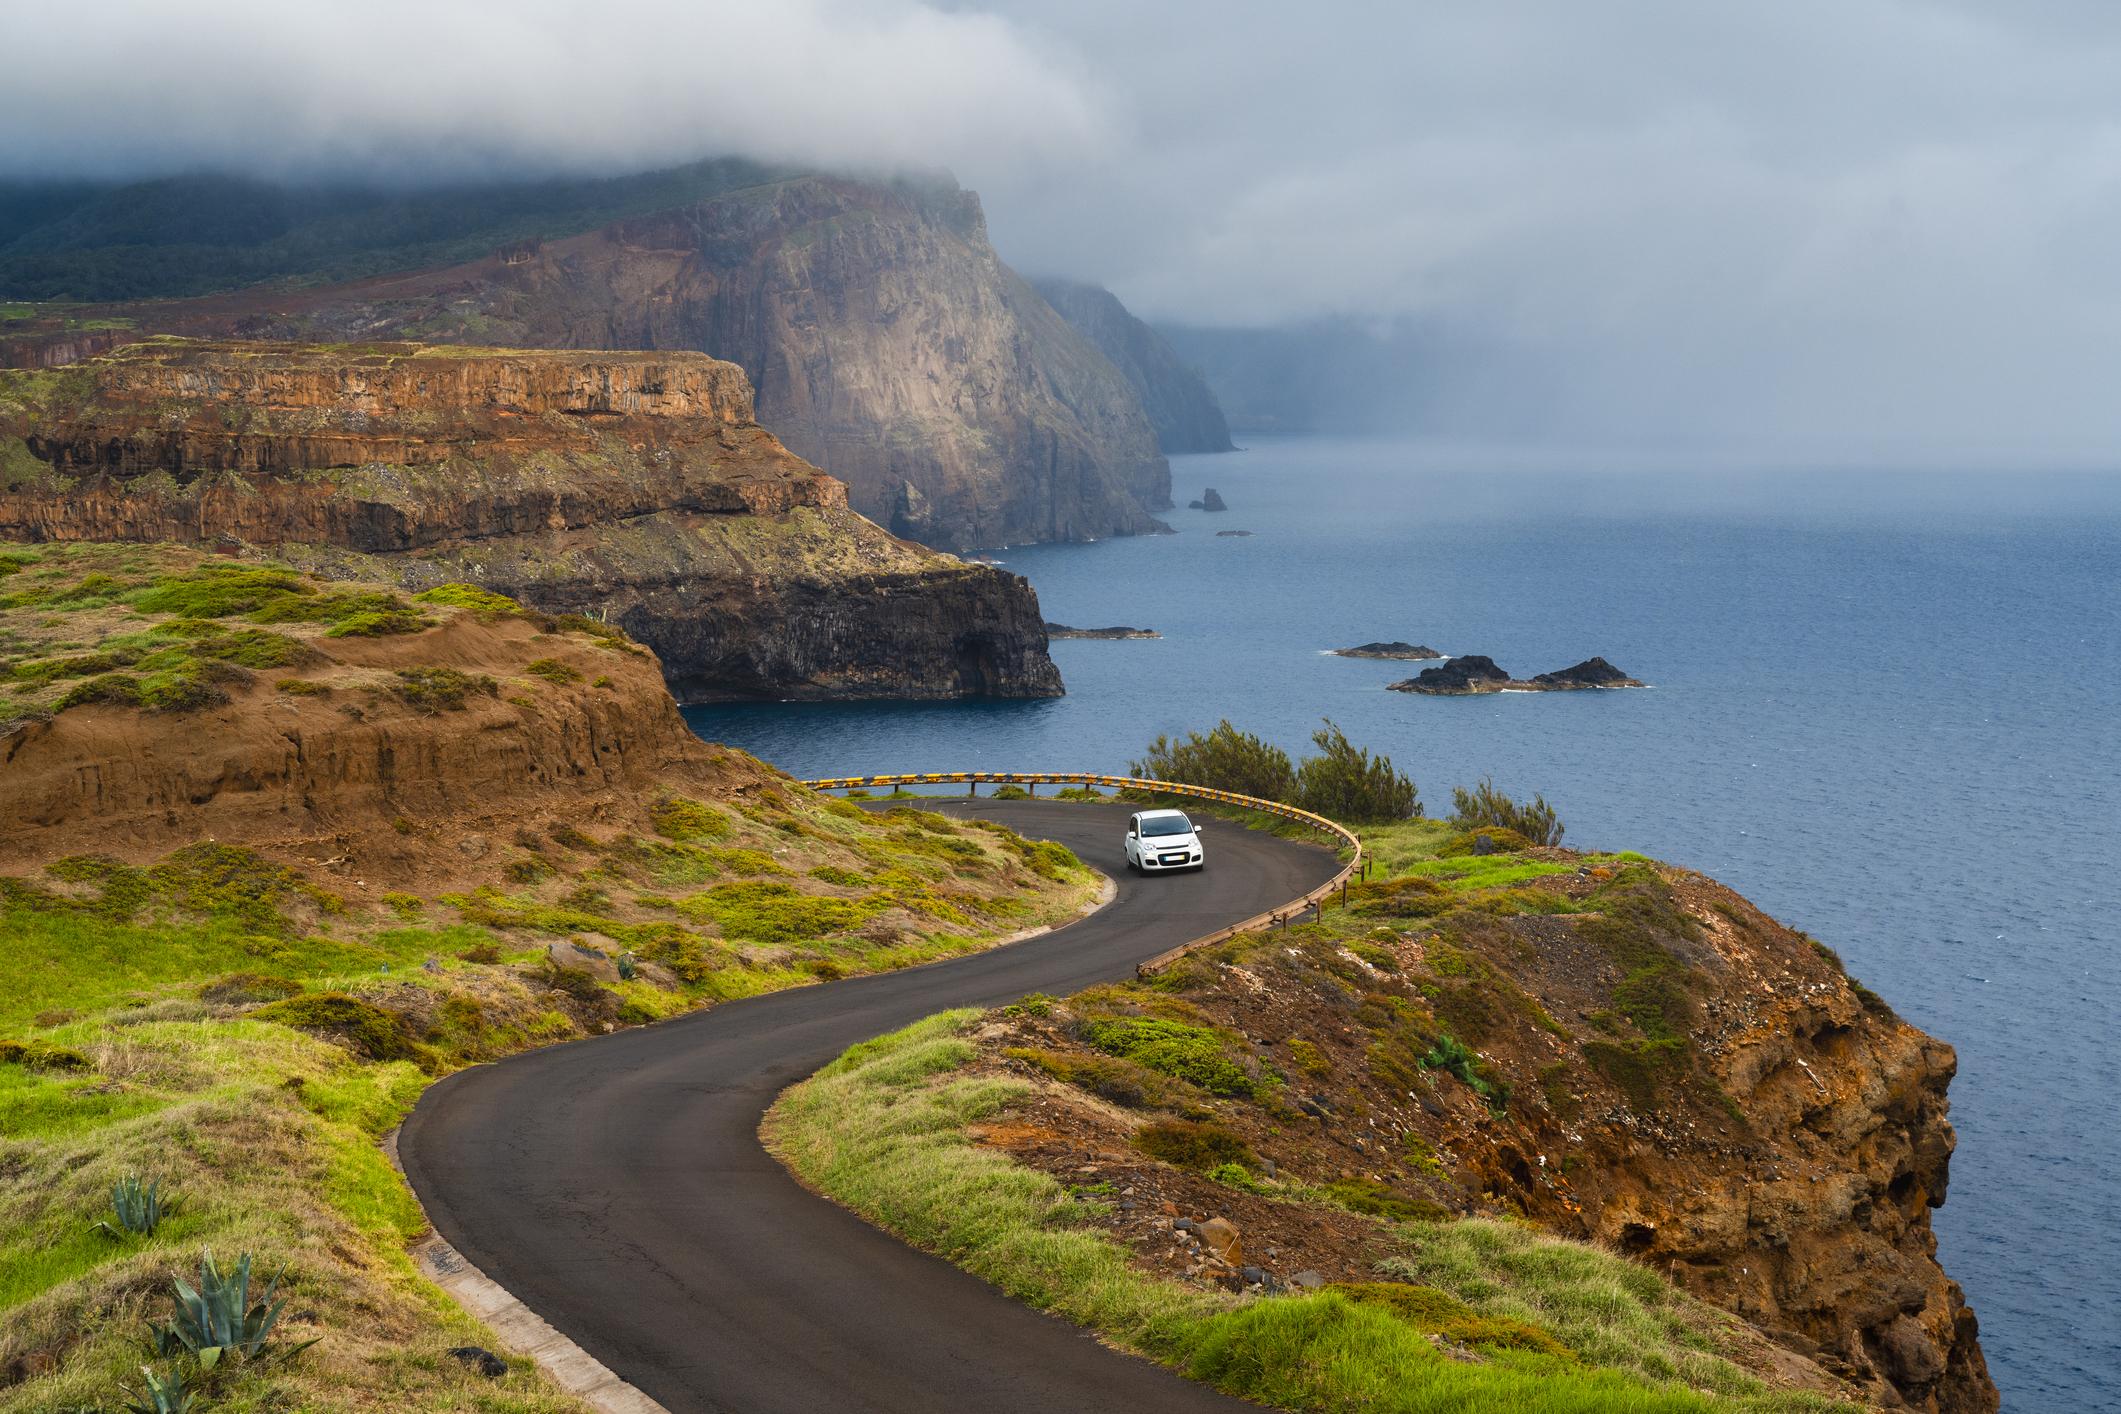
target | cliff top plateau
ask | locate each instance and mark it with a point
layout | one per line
(637, 485)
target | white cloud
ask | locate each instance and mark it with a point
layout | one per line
(428, 87)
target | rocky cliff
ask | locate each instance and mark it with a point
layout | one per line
(631, 485)
(1614, 1050)
(886, 341)
(1186, 416)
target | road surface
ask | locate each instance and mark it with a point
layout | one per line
(617, 1186)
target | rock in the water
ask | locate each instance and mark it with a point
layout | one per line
(1473, 673)
(1233, 534)
(479, 1358)
(1118, 631)
(1210, 500)
(1398, 651)
(1591, 672)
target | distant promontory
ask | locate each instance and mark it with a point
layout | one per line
(1476, 673)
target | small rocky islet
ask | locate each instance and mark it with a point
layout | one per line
(1395, 651)
(1475, 673)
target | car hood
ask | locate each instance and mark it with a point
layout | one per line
(1161, 842)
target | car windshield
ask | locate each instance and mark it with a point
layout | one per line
(1166, 825)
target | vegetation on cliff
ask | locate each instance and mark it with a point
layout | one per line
(1491, 1034)
(236, 994)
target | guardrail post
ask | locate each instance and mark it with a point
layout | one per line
(971, 789)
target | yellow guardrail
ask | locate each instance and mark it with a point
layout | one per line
(1314, 902)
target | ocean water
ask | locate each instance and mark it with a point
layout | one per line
(1885, 707)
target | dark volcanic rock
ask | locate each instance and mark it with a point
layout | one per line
(1210, 500)
(629, 486)
(1185, 414)
(1474, 674)
(1063, 631)
(1471, 673)
(1403, 652)
(1592, 672)
(1233, 534)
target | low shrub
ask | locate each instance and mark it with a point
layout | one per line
(1109, 1078)
(676, 817)
(248, 989)
(1194, 1054)
(1439, 1313)
(553, 671)
(37, 1055)
(1377, 1201)
(1484, 805)
(438, 690)
(468, 596)
(1201, 1145)
(363, 1027)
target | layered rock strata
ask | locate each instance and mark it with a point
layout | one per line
(633, 486)
(886, 340)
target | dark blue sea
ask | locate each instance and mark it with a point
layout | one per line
(1886, 707)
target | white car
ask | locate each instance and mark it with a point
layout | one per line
(1164, 841)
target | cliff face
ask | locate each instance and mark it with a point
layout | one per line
(636, 486)
(886, 340)
(1617, 1052)
(1186, 416)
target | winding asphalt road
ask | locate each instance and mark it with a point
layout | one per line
(617, 1186)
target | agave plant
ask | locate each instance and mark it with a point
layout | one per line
(162, 1396)
(139, 1207)
(628, 967)
(219, 1318)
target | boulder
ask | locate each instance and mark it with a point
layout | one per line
(576, 958)
(1219, 1236)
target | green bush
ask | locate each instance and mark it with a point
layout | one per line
(366, 1028)
(467, 596)
(1345, 782)
(553, 671)
(438, 690)
(1439, 1313)
(1224, 759)
(1194, 1054)
(248, 988)
(1113, 1078)
(1483, 805)
(1377, 1201)
(676, 817)
(1189, 1144)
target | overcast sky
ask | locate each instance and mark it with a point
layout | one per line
(1861, 228)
